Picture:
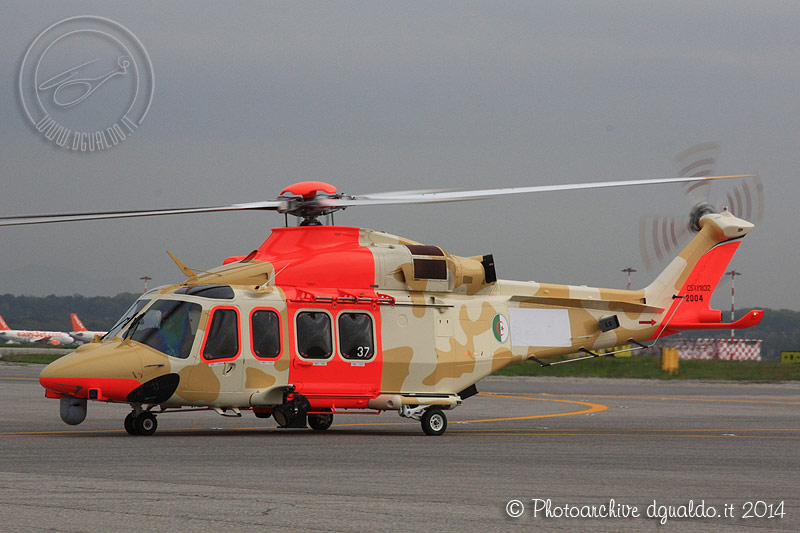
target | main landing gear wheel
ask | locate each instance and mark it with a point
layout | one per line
(129, 424)
(144, 423)
(434, 422)
(320, 421)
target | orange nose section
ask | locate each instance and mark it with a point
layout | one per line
(89, 374)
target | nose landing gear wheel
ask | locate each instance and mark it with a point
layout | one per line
(434, 422)
(320, 422)
(143, 424)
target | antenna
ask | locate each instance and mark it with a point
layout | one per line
(146, 278)
(186, 270)
(629, 270)
(732, 273)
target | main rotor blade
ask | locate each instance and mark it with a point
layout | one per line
(456, 196)
(325, 204)
(19, 220)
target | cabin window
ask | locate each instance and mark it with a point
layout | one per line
(265, 329)
(222, 338)
(421, 249)
(168, 326)
(314, 335)
(355, 336)
(430, 269)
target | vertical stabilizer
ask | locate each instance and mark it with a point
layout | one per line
(685, 287)
(77, 325)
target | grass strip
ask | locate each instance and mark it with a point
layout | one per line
(650, 368)
(37, 358)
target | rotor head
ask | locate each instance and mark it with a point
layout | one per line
(697, 213)
(309, 200)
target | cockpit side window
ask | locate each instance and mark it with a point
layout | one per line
(222, 337)
(125, 318)
(265, 329)
(355, 336)
(313, 330)
(168, 326)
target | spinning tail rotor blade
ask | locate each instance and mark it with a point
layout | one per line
(660, 237)
(699, 160)
(746, 199)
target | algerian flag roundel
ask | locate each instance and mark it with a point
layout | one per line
(500, 328)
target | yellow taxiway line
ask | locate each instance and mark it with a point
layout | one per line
(589, 408)
(645, 397)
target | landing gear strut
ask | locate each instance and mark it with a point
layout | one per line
(141, 423)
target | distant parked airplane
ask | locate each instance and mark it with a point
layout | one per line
(79, 331)
(26, 337)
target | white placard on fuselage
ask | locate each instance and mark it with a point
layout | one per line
(540, 327)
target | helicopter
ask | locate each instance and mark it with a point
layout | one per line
(323, 320)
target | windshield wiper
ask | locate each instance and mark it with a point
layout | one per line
(132, 329)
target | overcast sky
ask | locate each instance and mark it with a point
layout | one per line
(251, 97)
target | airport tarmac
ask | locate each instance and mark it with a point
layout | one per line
(606, 448)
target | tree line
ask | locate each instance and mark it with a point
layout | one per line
(51, 313)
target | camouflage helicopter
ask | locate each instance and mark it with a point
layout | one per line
(324, 319)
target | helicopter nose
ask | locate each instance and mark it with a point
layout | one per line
(95, 372)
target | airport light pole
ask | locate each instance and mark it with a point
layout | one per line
(146, 278)
(629, 270)
(732, 273)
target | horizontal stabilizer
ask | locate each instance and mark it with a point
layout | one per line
(752, 318)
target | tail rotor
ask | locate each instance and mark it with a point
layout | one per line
(662, 236)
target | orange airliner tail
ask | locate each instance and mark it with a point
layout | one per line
(77, 325)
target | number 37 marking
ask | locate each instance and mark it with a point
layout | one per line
(363, 351)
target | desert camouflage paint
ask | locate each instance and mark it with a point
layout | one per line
(439, 323)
